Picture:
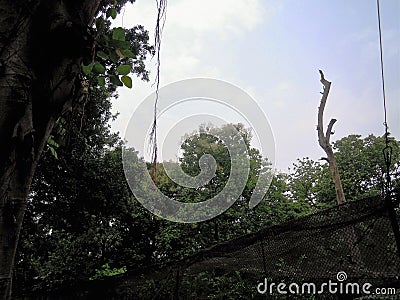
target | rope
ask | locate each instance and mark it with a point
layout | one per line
(382, 69)
(387, 151)
(161, 9)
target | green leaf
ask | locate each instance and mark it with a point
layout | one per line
(127, 81)
(101, 81)
(100, 24)
(128, 53)
(116, 44)
(53, 152)
(61, 120)
(52, 142)
(118, 34)
(114, 57)
(115, 80)
(123, 69)
(102, 54)
(99, 68)
(87, 69)
(52, 145)
(111, 12)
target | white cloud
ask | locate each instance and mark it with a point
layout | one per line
(224, 17)
(190, 31)
(243, 42)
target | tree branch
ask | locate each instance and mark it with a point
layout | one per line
(321, 136)
(329, 130)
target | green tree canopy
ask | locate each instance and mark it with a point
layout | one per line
(361, 165)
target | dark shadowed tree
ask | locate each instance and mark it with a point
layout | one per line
(81, 219)
(45, 47)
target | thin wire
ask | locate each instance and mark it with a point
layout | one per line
(387, 151)
(382, 69)
(161, 9)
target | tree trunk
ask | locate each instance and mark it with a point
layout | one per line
(38, 80)
(324, 142)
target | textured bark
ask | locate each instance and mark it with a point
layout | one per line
(39, 78)
(324, 142)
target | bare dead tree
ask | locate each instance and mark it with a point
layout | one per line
(324, 141)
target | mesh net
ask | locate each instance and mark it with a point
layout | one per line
(355, 239)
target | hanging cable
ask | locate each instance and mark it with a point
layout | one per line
(387, 151)
(382, 69)
(161, 16)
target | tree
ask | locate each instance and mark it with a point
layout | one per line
(79, 222)
(44, 45)
(80, 214)
(362, 166)
(324, 141)
(176, 240)
(305, 181)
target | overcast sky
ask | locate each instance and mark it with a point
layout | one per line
(273, 50)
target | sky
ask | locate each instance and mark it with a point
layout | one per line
(273, 50)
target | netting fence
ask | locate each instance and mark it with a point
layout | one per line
(356, 240)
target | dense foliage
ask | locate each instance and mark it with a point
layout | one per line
(80, 215)
(83, 223)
